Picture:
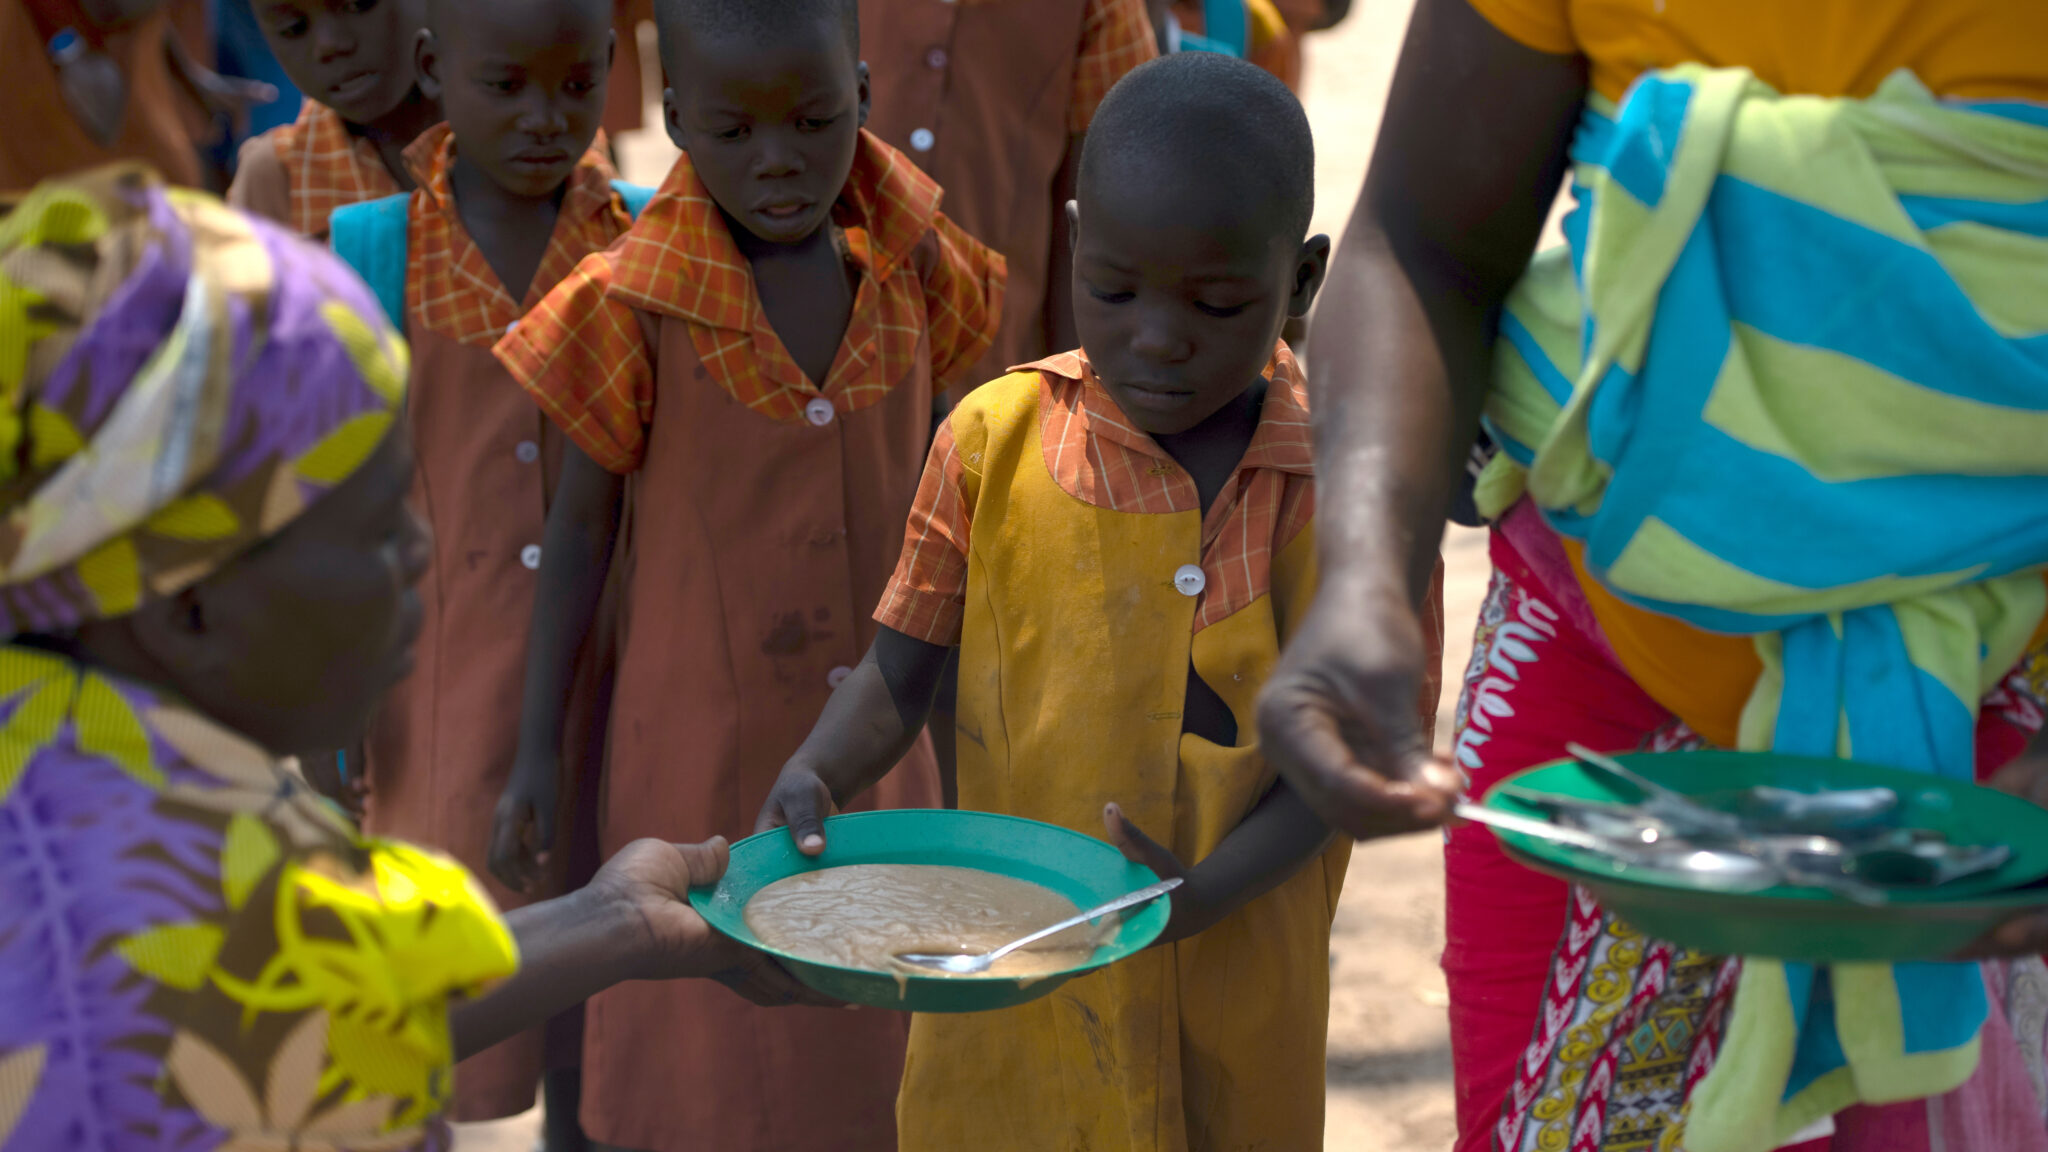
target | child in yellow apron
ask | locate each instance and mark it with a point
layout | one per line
(1119, 540)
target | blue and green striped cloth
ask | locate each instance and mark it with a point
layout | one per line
(1789, 379)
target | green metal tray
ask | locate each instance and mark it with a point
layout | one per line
(1799, 923)
(1081, 868)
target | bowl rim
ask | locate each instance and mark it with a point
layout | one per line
(1161, 909)
(1565, 863)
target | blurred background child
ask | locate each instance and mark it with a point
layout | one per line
(352, 60)
(757, 358)
(513, 191)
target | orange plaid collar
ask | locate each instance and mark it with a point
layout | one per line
(673, 258)
(330, 167)
(453, 288)
(1282, 441)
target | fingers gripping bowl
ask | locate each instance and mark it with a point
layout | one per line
(1079, 868)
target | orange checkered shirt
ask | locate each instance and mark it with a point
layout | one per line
(1116, 36)
(1096, 456)
(451, 288)
(583, 353)
(329, 166)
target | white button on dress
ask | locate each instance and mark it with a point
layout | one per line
(837, 676)
(530, 556)
(527, 452)
(819, 411)
(922, 140)
(1190, 580)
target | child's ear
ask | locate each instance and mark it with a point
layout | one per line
(426, 64)
(1309, 269)
(1073, 225)
(864, 94)
(672, 119)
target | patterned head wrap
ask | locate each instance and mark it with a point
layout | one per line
(178, 381)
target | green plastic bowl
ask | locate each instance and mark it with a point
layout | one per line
(1798, 923)
(1081, 868)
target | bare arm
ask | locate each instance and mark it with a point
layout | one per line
(632, 922)
(1469, 160)
(1275, 841)
(868, 725)
(576, 556)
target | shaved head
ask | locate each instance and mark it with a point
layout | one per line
(445, 16)
(1199, 120)
(757, 21)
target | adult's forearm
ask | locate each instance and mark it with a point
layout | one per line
(570, 949)
(1396, 387)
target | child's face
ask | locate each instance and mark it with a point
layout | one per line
(355, 56)
(1179, 298)
(770, 128)
(522, 84)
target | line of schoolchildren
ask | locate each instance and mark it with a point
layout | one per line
(701, 562)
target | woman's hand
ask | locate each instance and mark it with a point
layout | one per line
(1338, 719)
(523, 828)
(648, 884)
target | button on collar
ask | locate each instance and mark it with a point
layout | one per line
(819, 411)
(1189, 580)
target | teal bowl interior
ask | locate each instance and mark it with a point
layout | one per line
(1798, 923)
(1081, 868)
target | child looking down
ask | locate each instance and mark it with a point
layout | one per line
(353, 60)
(1119, 540)
(757, 360)
(514, 190)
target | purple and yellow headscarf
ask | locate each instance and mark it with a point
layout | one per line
(178, 381)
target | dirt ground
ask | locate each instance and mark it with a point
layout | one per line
(1389, 1077)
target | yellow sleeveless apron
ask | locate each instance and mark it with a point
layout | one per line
(1073, 670)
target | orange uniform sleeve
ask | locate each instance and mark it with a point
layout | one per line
(584, 359)
(963, 296)
(1116, 36)
(928, 594)
(1545, 25)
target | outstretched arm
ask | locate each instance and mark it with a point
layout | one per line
(868, 725)
(1469, 160)
(1275, 841)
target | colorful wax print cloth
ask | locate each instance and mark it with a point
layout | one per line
(196, 953)
(1787, 380)
(177, 382)
(1571, 1031)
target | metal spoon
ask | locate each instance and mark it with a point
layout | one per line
(1685, 815)
(960, 965)
(1713, 869)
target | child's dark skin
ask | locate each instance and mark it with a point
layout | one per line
(356, 57)
(771, 129)
(522, 83)
(1179, 299)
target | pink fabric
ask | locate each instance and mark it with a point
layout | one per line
(1521, 951)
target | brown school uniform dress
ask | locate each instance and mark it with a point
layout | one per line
(986, 95)
(624, 108)
(41, 138)
(767, 514)
(297, 174)
(443, 742)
